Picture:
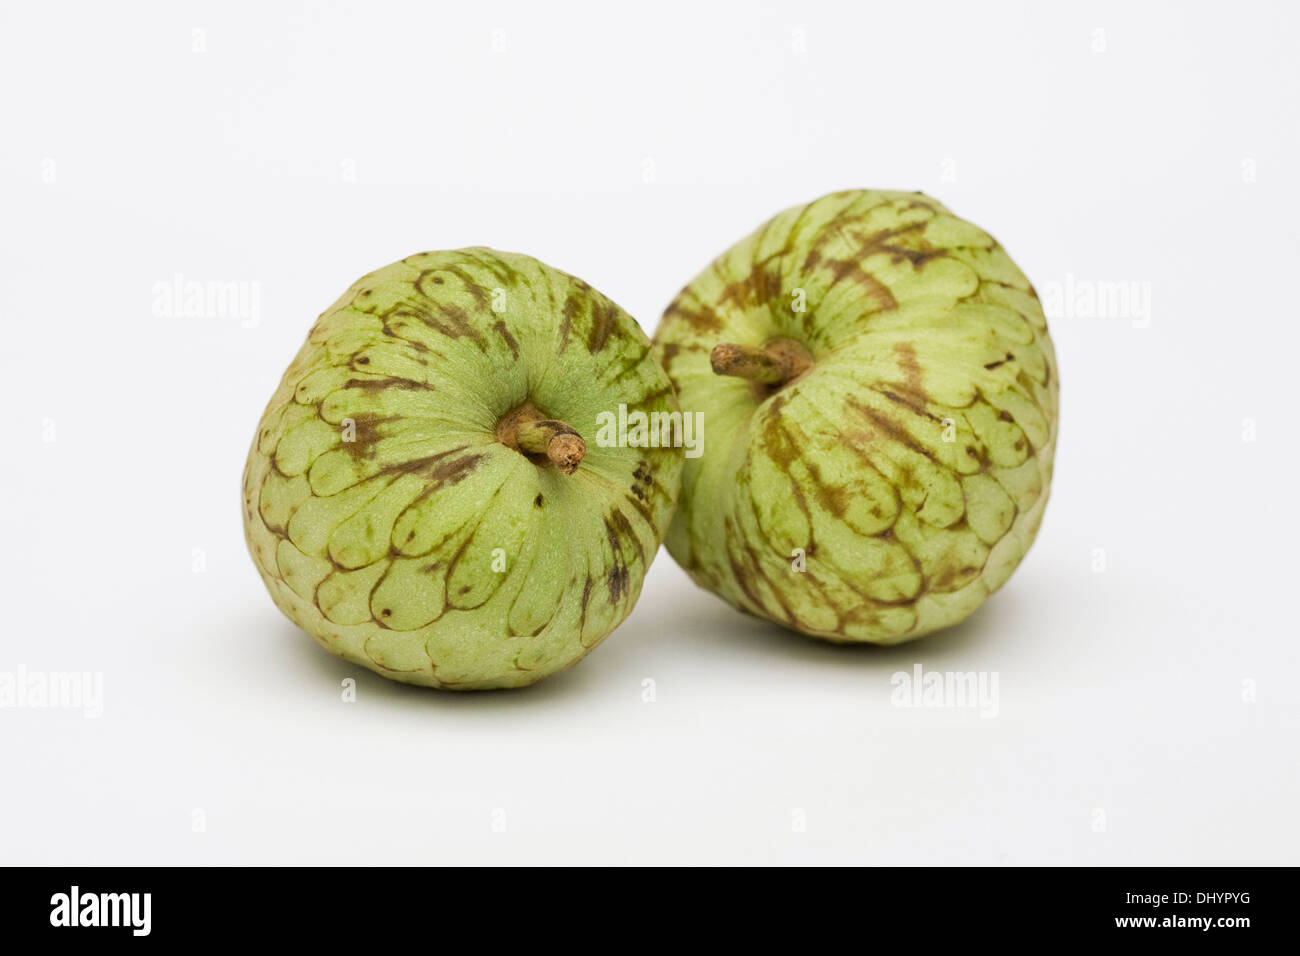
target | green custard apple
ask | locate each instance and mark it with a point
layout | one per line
(880, 395)
(424, 496)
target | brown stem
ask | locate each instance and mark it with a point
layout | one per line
(777, 362)
(529, 431)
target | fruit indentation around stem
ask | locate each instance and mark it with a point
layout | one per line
(529, 432)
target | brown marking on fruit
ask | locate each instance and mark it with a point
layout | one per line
(856, 444)
(801, 502)
(702, 319)
(617, 582)
(537, 502)
(888, 427)
(501, 269)
(923, 203)
(756, 565)
(456, 324)
(761, 286)
(910, 393)
(500, 328)
(628, 533)
(451, 472)
(586, 597)
(617, 579)
(1000, 362)
(951, 578)
(642, 481)
(741, 576)
(446, 318)
(373, 386)
(782, 446)
(366, 435)
(452, 563)
(778, 444)
(280, 531)
(827, 601)
(892, 242)
(832, 498)
(913, 403)
(470, 283)
(650, 398)
(880, 241)
(640, 508)
(437, 470)
(571, 307)
(604, 320)
(628, 367)
(472, 286)
(910, 366)
(917, 257)
(619, 530)
(841, 269)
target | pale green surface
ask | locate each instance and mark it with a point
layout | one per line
(382, 548)
(921, 328)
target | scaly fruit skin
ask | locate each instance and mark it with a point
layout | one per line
(391, 523)
(909, 465)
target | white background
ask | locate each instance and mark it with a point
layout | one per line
(1146, 650)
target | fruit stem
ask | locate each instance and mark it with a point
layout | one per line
(529, 431)
(776, 363)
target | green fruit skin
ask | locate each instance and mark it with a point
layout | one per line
(910, 465)
(423, 548)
